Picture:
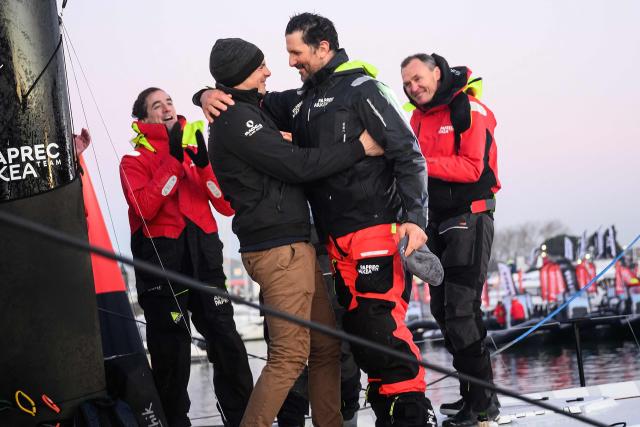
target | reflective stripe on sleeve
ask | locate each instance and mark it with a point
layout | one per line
(171, 182)
(213, 188)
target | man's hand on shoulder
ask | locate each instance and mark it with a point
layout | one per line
(214, 102)
(417, 236)
(371, 147)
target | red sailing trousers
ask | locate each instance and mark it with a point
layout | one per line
(371, 284)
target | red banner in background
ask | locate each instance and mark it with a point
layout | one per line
(585, 272)
(551, 282)
(624, 278)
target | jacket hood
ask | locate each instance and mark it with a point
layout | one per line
(452, 82)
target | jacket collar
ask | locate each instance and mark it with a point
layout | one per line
(152, 135)
(251, 96)
(325, 72)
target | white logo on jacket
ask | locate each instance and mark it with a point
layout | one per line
(368, 268)
(253, 128)
(323, 102)
(219, 300)
(445, 129)
(296, 109)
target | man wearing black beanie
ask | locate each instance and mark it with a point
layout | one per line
(233, 60)
(259, 172)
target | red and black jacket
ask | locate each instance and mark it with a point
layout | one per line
(162, 193)
(456, 136)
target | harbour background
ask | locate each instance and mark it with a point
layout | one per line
(535, 365)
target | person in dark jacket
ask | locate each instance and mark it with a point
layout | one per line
(169, 185)
(259, 172)
(455, 131)
(363, 212)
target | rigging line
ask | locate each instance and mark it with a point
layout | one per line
(79, 244)
(515, 328)
(130, 187)
(25, 98)
(95, 156)
(104, 125)
(66, 76)
(93, 149)
(128, 184)
(43, 70)
(142, 322)
(205, 417)
(504, 364)
(546, 324)
(633, 333)
(491, 355)
(566, 303)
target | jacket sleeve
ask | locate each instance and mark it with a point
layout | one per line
(466, 165)
(146, 190)
(212, 189)
(245, 134)
(195, 99)
(280, 106)
(382, 118)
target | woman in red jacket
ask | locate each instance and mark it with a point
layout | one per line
(168, 184)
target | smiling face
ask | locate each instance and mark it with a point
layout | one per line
(257, 79)
(306, 58)
(160, 109)
(420, 81)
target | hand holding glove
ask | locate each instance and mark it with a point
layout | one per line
(201, 158)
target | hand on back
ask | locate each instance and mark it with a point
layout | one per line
(214, 102)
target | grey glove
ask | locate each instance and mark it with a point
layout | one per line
(422, 263)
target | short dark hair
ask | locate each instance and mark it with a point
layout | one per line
(426, 59)
(315, 28)
(139, 110)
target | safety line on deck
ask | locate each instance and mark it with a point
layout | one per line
(186, 281)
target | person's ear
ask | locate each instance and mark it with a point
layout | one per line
(324, 48)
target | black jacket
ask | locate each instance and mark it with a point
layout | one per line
(258, 171)
(336, 106)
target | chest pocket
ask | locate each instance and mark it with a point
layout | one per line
(341, 126)
(437, 136)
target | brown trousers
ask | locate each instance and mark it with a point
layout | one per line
(291, 281)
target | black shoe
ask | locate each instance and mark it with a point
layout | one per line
(452, 408)
(467, 417)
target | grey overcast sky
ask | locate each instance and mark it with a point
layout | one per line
(561, 77)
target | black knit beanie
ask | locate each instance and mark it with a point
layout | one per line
(233, 60)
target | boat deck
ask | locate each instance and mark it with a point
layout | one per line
(607, 403)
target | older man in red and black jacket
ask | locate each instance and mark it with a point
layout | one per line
(455, 131)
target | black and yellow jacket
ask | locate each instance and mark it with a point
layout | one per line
(335, 106)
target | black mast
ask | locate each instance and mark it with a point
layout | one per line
(50, 340)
